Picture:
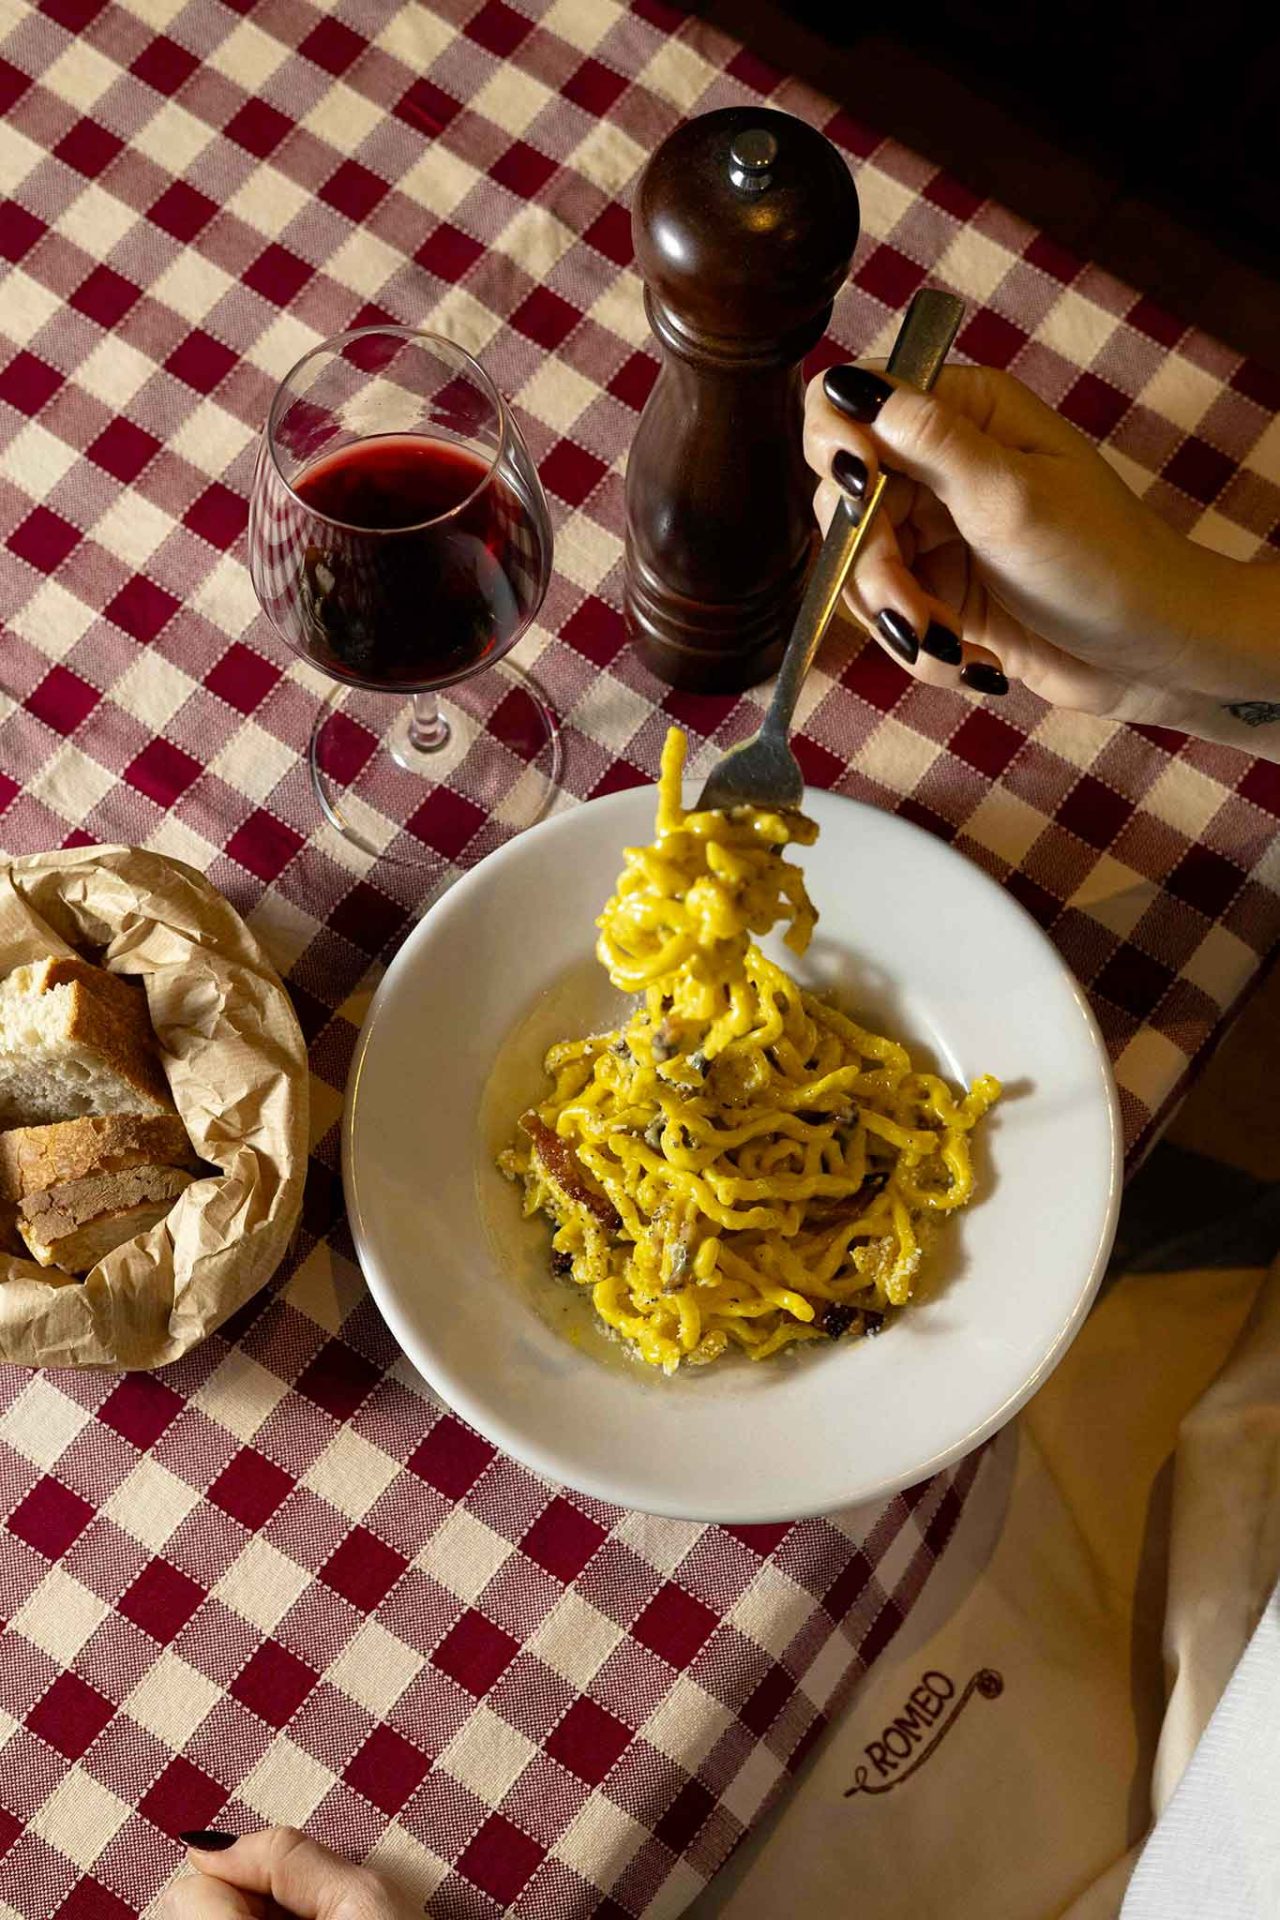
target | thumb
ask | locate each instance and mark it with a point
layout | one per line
(299, 1875)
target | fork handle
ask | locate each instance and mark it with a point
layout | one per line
(924, 340)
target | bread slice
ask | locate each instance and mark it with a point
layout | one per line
(75, 1039)
(33, 1158)
(61, 969)
(77, 1224)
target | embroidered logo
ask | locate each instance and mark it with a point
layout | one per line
(908, 1737)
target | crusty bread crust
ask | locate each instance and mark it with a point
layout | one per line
(77, 1252)
(76, 1224)
(33, 1159)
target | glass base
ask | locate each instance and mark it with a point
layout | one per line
(438, 781)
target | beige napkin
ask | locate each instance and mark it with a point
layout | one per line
(1007, 1753)
(1215, 1852)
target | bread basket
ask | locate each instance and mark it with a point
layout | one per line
(236, 1064)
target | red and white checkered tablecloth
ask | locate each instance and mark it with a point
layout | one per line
(278, 1582)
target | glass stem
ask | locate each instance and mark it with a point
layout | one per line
(428, 728)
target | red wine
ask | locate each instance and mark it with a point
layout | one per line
(417, 562)
(393, 482)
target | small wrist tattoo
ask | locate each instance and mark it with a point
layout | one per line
(1254, 713)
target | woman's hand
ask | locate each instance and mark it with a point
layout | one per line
(1007, 548)
(279, 1871)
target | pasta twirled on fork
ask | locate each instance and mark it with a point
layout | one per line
(740, 1164)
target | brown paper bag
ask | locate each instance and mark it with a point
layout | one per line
(236, 1062)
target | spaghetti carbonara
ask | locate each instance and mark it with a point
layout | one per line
(739, 1165)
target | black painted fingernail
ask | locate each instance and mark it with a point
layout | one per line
(941, 643)
(850, 473)
(900, 634)
(982, 678)
(855, 392)
(208, 1840)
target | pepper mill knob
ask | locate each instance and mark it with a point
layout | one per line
(745, 221)
(751, 155)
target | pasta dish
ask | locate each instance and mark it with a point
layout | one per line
(740, 1165)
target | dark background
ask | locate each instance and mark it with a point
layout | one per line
(1145, 138)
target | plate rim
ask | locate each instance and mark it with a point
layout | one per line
(492, 1426)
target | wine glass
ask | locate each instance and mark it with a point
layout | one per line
(399, 539)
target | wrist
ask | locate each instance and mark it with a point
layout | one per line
(1234, 616)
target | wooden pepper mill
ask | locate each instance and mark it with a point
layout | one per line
(745, 222)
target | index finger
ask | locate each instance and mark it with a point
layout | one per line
(196, 1897)
(826, 432)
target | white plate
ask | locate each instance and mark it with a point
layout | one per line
(917, 942)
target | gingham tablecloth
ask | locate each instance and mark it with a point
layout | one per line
(278, 1582)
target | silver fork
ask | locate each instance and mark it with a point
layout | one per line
(763, 771)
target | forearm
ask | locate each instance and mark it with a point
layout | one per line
(1234, 696)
